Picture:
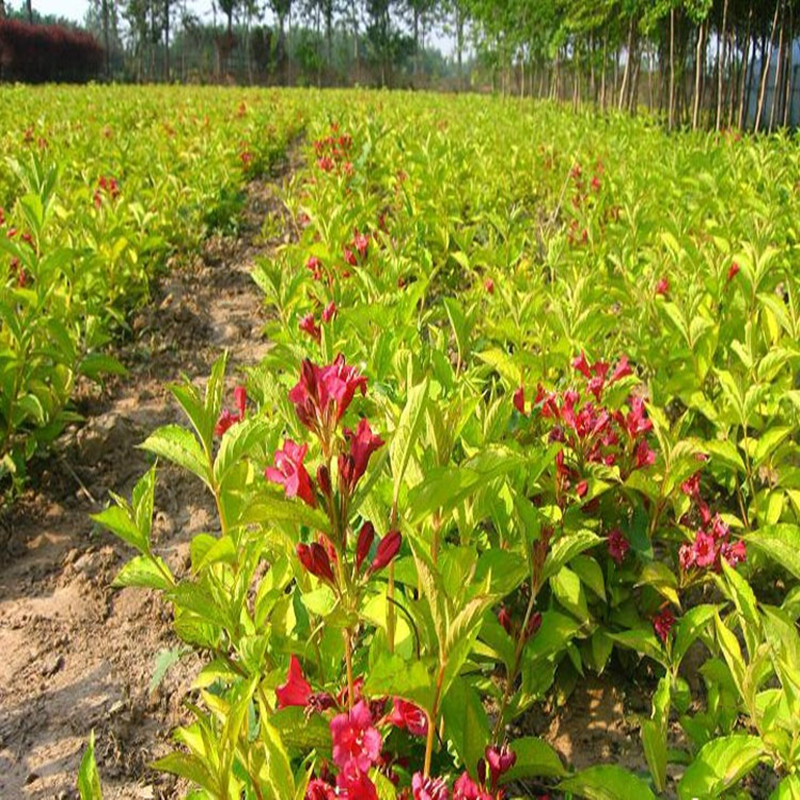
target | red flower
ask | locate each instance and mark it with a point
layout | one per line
(361, 243)
(582, 365)
(290, 473)
(227, 418)
(466, 789)
(350, 257)
(534, 623)
(662, 624)
(314, 265)
(662, 287)
(386, 551)
(500, 761)
(341, 382)
(408, 716)
(309, 326)
(618, 546)
(329, 312)
(686, 557)
(365, 538)
(319, 790)
(733, 271)
(429, 788)
(297, 690)
(354, 784)
(581, 489)
(355, 739)
(363, 443)
(488, 284)
(314, 558)
(691, 486)
(519, 400)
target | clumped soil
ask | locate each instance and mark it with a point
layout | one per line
(77, 655)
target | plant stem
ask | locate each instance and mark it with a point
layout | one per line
(432, 722)
(348, 656)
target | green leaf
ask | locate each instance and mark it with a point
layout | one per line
(88, 779)
(149, 572)
(391, 675)
(654, 743)
(164, 660)
(466, 722)
(96, 364)
(190, 767)
(237, 442)
(118, 520)
(179, 445)
(273, 508)
(780, 542)
(535, 759)
(565, 549)
(691, 625)
(302, 731)
(607, 782)
(412, 420)
(721, 764)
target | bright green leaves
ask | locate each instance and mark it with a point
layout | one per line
(720, 765)
(88, 779)
(607, 783)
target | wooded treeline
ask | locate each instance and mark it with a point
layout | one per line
(698, 63)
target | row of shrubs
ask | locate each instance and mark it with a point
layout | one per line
(44, 53)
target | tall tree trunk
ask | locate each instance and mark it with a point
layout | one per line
(460, 45)
(721, 63)
(106, 43)
(789, 87)
(778, 70)
(628, 61)
(166, 39)
(765, 65)
(603, 73)
(746, 72)
(699, 61)
(671, 114)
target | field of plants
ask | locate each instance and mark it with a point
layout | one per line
(524, 427)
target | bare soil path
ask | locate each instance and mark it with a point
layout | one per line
(76, 655)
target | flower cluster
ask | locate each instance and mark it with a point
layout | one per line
(663, 623)
(227, 419)
(334, 150)
(356, 251)
(591, 432)
(356, 738)
(106, 187)
(321, 397)
(712, 540)
(308, 323)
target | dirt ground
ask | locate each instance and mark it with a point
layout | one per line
(76, 655)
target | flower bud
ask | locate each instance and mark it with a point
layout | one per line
(314, 558)
(387, 550)
(365, 538)
(324, 480)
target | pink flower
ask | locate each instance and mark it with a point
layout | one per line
(662, 624)
(733, 271)
(622, 370)
(466, 789)
(409, 716)
(309, 326)
(386, 551)
(429, 788)
(355, 739)
(686, 557)
(662, 287)
(500, 761)
(645, 456)
(319, 790)
(354, 784)
(363, 443)
(691, 486)
(290, 473)
(297, 690)
(705, 549)
(618, 546)
(361, 243)
(581, 489)
(314, 558)
(323, 394)
(488, 284)
(350, 257)
(314, 265)
(734, 553)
